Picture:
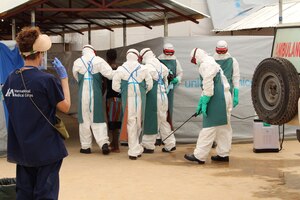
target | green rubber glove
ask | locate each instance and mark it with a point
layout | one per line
(198, 109)
(174, 81)
(235, 97)
(266, 124)
(204, 100)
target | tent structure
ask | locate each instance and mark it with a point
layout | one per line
(57, 17)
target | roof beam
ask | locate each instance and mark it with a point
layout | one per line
(101, 10)
(46, 29)
(137, 21)
(78, 16)
(91, 21)
(174, 11)
(91, 18)
(97, 4)
(112, 3)
(68, 27)
(52, 23)
(127, 16)
(103, 5)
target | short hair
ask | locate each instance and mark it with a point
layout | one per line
(111, 55)
(26, 38)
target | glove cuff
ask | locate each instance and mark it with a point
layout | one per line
(236, 92)
(205, 99)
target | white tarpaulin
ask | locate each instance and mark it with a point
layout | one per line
(226, 12)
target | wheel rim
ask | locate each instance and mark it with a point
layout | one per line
(270, 91)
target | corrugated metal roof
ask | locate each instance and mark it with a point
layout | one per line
(62, 16)
(267, 17)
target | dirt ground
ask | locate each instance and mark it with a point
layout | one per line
(162, 176)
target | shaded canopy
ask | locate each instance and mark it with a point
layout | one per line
(56, 17)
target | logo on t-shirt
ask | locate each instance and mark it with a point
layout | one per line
(18, 93)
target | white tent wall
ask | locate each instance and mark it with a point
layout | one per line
(248, 50)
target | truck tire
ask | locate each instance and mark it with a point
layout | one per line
(275, 90)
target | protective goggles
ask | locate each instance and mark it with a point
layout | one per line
(221, 50)
(169, 52)
(194, 60)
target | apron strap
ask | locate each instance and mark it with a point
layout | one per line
(134, 82)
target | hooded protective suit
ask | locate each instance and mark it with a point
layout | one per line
(157, 104)
(230, 67)
(132, 80)
(170, 61)
(216, 123)
(88, 71)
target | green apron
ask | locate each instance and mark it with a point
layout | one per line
(171, 64)
(124, 94)
(150, 123)
(227, 67)
(98, 114)
(216, 107)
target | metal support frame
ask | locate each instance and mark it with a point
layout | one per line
(280, 12)
(33, 18)
(13, 29)
(124, 33)
(89, 34)
(166, 25)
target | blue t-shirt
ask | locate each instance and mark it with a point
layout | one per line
(32, 141)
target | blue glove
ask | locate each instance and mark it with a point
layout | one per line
(59, 68)
(204, 100)
(235, 97)
(175, 81)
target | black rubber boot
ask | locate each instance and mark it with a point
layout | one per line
(105, 149)
(148, 150)
(168, 151)
(220, 159)
(191, 157)
(86, 151)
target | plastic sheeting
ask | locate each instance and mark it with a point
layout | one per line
(10, 60)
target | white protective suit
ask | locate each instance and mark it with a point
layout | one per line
(235, 65)
(3, 130)
(98, 65)
(208, 69)
(133, 72)
(158, 71)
